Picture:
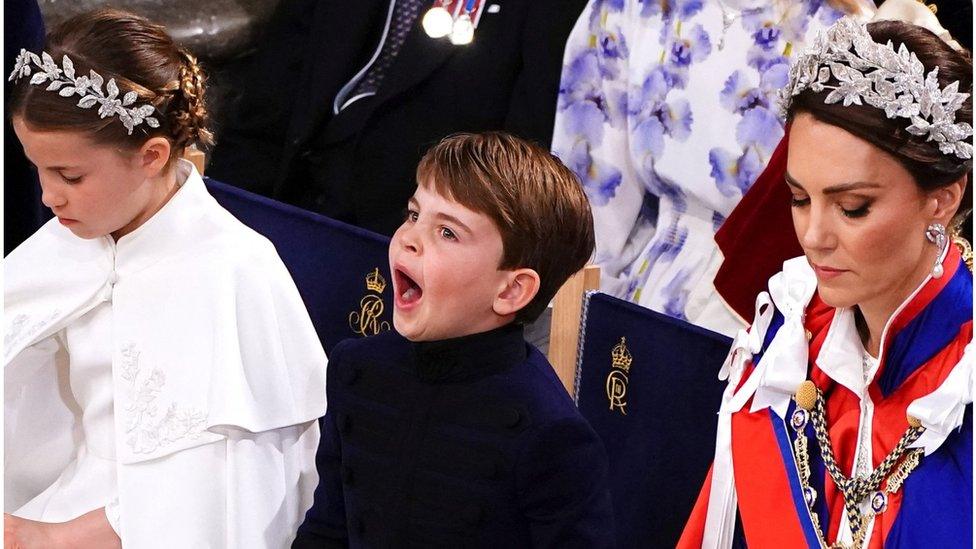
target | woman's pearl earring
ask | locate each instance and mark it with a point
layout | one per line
(936, 234)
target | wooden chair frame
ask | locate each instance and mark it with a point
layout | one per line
(567, 308)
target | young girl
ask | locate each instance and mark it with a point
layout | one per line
(162, 375)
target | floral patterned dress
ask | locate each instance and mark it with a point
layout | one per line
(667, 113)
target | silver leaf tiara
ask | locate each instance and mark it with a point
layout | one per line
(878, 75)
(63, 80)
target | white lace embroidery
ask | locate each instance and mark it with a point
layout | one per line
(21, 328)
(147, 430)
(864, 469)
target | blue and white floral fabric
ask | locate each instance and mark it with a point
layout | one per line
(667, 113)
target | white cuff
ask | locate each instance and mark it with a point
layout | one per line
(113, 513)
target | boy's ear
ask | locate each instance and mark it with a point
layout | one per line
(521, 287)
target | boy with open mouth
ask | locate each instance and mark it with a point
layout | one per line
(453, 430)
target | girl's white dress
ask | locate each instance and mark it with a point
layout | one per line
(172, 378)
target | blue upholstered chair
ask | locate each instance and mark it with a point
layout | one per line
(341, 271)
(648, 384)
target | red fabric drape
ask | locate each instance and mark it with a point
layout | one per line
(757, 237)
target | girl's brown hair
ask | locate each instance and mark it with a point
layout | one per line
(141, 57)
(930, 168)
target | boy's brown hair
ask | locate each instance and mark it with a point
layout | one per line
(536, 202)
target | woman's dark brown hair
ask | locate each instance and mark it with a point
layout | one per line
(931, 168)
(141, 57)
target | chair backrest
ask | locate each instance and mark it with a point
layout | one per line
(564, 328)
(648, 384)
(342, 272)
(197, 157)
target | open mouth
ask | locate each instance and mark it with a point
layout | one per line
(408, 292)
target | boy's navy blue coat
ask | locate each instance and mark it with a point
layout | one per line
(469, 442)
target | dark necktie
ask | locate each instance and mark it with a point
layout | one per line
(405, 13)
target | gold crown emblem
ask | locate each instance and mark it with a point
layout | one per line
(620, 356)
(375, 281)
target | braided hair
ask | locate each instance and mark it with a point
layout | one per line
(142, 58)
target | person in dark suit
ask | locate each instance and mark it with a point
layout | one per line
(452, 431)
(23, 212)
(344, 97)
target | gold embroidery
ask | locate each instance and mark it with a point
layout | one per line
(617, 379)
(375, 281)
(366, 321)
(965, 249)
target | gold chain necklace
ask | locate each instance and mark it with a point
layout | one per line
(810, 409)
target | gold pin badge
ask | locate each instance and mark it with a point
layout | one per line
(806, 395)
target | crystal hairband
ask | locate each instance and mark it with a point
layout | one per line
(876, 74)
(63, 80)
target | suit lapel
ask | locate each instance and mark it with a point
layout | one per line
(340, 33)
(419, 56)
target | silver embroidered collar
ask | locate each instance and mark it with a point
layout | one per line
(63, 80)
(880, 76)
